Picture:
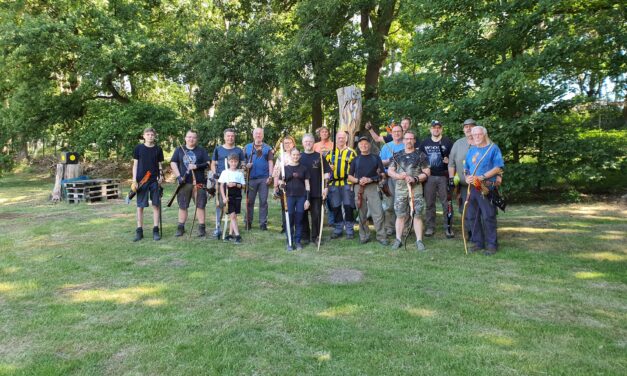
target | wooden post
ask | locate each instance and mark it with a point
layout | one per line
(64, 172)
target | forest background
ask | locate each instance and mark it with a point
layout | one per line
(547, 78)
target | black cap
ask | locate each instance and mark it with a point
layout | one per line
(363, 138)
(435, 123)
(470, 121)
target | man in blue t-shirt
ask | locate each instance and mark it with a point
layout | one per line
(259, 159)
(218, 164)
(484, 162)
(387, 153)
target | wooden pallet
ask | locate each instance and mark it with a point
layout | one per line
(92, 190)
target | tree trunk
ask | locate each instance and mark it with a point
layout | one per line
(376, 20)
(316, 112)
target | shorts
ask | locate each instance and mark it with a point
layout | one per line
(401, 200)
(151, 189)
(235, 205)
(186, 192)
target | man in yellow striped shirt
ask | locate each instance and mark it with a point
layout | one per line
(340, 189)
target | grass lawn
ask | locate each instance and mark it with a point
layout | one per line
(78, 297)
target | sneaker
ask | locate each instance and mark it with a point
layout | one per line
(202, 231)
(180, 230)
(155, 233)
(449, 234)
(228, 238)
(289, 248)
(384, 242)
(335, 236)
(217, 234)
(299, 247)
(429, 232)
(139, 234)
(238, 239)
(420, 245)
(263, 227)
(397, 244)
(489, 251)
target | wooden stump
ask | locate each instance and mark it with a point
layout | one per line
(64, 171)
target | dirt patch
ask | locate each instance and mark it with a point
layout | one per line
(146, 261)
(345, 276)
(10, 215)
(70, 288)
(177, 263)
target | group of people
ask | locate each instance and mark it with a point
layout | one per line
(392, 188)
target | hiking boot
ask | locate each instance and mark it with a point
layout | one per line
(238, 239)
(489, 251)
(180, 230)
(263, 227)
(429, 232)
(384, 242)
(474, 248)
(397, 244)
(139, 234)
(420, 246)
(449, 234)
(155, 233)
(202, 231)
(228, 238)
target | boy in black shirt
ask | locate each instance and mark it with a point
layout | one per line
(147, 157)
(365, 172)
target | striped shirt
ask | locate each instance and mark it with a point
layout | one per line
(341, 169)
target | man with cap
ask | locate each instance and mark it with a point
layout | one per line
(365, 171)
(437, 148)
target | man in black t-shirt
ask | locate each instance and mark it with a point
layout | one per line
(189, 164)
(437, 148)
(312, 161)
(219, 164)
(147, 157)
(366, 170)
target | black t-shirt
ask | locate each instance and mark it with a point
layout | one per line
(312, 163)
(436, 151)
(367, 166)
(198, 155)
(148, 159)
(220, 154)
(295, 177)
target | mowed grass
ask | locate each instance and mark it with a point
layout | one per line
(77, 297)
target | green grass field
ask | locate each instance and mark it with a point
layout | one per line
(77, 297)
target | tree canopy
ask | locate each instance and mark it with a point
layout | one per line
(547, 78)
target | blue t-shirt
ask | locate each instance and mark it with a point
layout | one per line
(493, 159)
(221, 154)
(260, 160)
(388, 150)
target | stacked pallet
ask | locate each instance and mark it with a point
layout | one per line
(92, 190)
